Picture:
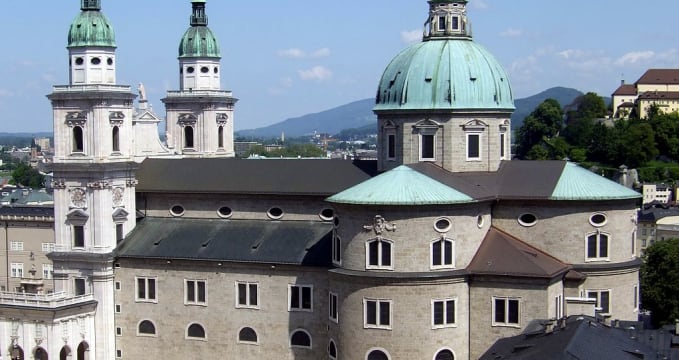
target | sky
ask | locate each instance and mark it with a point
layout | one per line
(287, 58)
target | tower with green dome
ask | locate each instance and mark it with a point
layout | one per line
(200, 114)
(445, 100)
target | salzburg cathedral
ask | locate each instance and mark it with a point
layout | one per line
(175, 249)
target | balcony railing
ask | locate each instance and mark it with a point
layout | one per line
(91, 87)
(94, 250)
(195, 93)
(48, 301)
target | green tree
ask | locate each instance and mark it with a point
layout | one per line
(580, 121)
(543, 124)
(660, 281)
(25, 175)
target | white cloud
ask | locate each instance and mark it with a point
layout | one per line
(5, 93)
(324, 52)
(570, 54)
(511, 32)
(316, 73)
(479, 4)
(634, 57)
(411, 37)
(293, 53)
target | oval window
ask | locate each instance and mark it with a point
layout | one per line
(204, 70)
(336, 221)
(216, 70)
(177, 210)
(528, 219)
(225, 212)
(598, 219)
(109, 61)
(442, 225)
(327, 214)
(190, 69)
(275, 213)
(79, 61)
(95, 61)
(479, 221)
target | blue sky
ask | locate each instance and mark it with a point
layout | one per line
(286, 58)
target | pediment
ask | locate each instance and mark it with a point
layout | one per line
(389, 125)
(148, 116)
(475, 125)
(120, 215)
(427, 124)
(77, 216)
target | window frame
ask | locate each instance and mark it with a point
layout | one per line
(78, 140)
(443, 240)
(48, 247)
(506, 322)
(78, 236)
(333, 307)
(503, 145)
(17, 270)
(248, 297)
(391, 145)
(47, 271)
(155, 329)
(378, 309)
(332, 343)
(439, 351)
(421, 135)
(479, 149)
(292, 334)
(337, 249)
(380, 251)
(445, 323)
(186, 333)
(598, 298)
(598, 235)
(240, 341)
(75, 286)
(371, 350)
(146, 298)
(299, 288)
(16, 246)
(196, 292)
(115, 139)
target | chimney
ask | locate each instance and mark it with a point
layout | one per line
(622, 82)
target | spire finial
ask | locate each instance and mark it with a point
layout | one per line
(90, 5)
(198, 18)
(447, 19)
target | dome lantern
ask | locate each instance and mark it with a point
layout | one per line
(199, 41)
(447, 18)
(198, 18)
(90, 5)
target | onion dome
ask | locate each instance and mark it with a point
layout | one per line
(91, 28)
(199, 41)
(447, 70)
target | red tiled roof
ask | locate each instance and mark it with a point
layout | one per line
(626, 90)
(659, 95)
(660, 76)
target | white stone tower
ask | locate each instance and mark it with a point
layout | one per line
(94, 179)
(200, 114)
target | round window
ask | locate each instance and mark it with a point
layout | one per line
(95, 61)
(275, 213)
(479, 221)
(442, 225)
(528, 219)
(190, 69)
(598, 219)
(204, 70)
(216, 70)
(177, 210)
(225, 212)
(109, 61)
(327, 214)
(79, 61)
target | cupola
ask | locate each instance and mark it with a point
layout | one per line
(91, 27)
(199, 41)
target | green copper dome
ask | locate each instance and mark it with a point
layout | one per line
(198, 40)
(91, 28)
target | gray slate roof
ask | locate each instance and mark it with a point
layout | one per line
(36, 211)
(270, 242)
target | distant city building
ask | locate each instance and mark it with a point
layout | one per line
(660, 193)
(43, 142)
(242, 148)
(656, 222)
(658, 87)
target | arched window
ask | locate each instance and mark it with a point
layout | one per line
(442, 253)
(116, 138)
(188, 137)
(379, 254)
(83, 350)
(248, 335)
(377, 355)
(597, 246)
(78, 144)
(300, 338)
(65, 353)
(16, 352)
(40, 354)
(332, 350)
(146, 327)
(445, 355)
(195, 331)
(220, 137)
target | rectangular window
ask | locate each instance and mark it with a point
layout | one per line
(603, 300)
(301, 297)
(337, 250)
(196, 292)
(16, 245)
(80, 288)
(558, 306)
(427, 147)
(505, 311)
(636, 297)
(17, 270)
(247, 295)
(119, 233)
(443, 313)
(456, 22)
(47, 270)
(442, 254)
(473, 146)
(391, 146)
(117, 309)
(597, 246)
(118, 285)
(78, 236)
(146, 289)
(378, 254)
(377, 313)
(442, 23)
(119, 331)
(502, 146)
(47, 247)
(332, 307)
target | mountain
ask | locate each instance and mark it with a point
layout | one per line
(359, 114)
(353, 115)
(525, 106)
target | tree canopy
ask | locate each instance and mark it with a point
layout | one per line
(25, 175)
(660, 281)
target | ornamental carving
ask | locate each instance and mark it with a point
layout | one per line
(59, 184)
(116, 117)
(132, 182)
(222, 118)
(78, 198)
(99, 185)
(380, 225)
(187, 119)
(118, 196)
(76, 118)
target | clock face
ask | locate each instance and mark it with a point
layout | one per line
(78, 198)
(118, 196)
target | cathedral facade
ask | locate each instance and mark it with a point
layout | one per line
(175, 250)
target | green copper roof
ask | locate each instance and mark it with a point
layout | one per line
(577, 183)
(444, 74)
(400, 186)
(198, 40)
(91, 28)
